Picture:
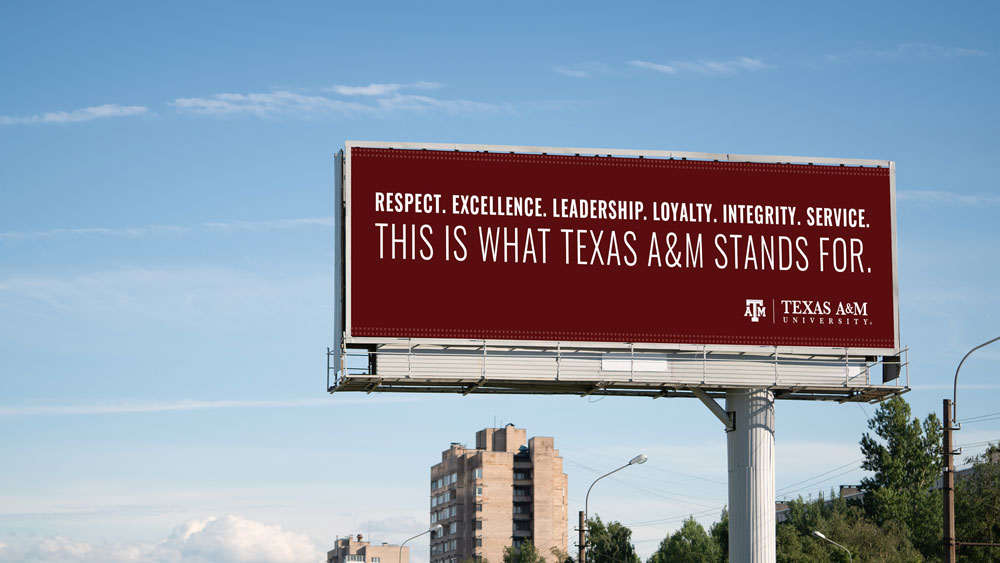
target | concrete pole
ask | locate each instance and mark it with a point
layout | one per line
(751, 476)
(582, 558)
(948, 485)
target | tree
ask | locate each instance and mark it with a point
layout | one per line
(689, 544)
(612, 543)
(905, 458)
(847, 524)
(527, 553)
(977, 507)
(720, 533)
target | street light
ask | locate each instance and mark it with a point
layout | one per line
(637, 460)
(436, 528)
(818, 534)
(948, 476)
(954, 402)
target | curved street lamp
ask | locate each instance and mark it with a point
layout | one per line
(954, 401)
(818, 534)
(436, 528)
(637, 460)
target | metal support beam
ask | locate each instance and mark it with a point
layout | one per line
(727, 418)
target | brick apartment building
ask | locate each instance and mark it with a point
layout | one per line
(501, 493)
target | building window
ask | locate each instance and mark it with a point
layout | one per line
(479, 491)
(479, 524)
(376, 560)
(479, 542)
(477, 473)
(479, 508)
(434, 517)
(454, 510)
(454, 477)
(453, 527)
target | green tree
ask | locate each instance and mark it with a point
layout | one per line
(560, 556)
(846, 524)
(611, 543)
(689, 544)
(524, 554)
(904, 456)
(720, 533)
(977, 507)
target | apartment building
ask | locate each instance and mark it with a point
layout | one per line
(349, 550)
(501, 493)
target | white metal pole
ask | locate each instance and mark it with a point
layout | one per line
(751, 476)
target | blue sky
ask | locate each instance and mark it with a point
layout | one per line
(166, 246)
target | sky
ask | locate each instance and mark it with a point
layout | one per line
(167, 248)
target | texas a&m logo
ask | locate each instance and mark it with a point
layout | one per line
(755, 309)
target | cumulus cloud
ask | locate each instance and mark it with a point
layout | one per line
(710, 67)
(75, 116)
(225, 539)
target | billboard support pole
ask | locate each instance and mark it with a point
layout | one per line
(751, 476)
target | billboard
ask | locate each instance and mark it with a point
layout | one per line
(529, 244)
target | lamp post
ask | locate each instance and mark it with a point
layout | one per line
(818, 534)
(436, 528)
(948, 479)
(637, 460)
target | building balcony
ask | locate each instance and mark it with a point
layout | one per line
(522, 498)
(522, 534)
(524, 516)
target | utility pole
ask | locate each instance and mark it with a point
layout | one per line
(948, 486)
(583, 540)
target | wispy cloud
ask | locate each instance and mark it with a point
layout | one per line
(583, 70)
(381, 89)
(902, 51)
(74, 116)
(171, 230)
(380, 100)
(945, 197)
(184, 405)
(267, 104)
(708, 67)
(653, 66)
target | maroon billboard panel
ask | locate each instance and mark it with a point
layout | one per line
(515, 246)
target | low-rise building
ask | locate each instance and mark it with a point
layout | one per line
(350, 550)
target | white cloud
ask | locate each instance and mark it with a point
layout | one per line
(75, 116)
(944, 197)
(381, 89)
(653, 66)
(225, 539)
(583, 70)
(922, 51)
(173, 230)
(267, 104)
(386, 100)
(739, 64)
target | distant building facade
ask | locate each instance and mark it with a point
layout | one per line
(350, 550)
(503, 492)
